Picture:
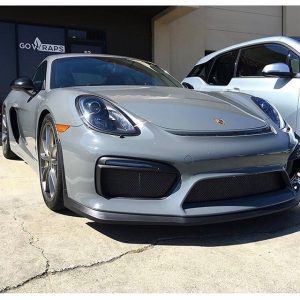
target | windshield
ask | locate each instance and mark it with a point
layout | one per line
(95, 71)
(296, 38)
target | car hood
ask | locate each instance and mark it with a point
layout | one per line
(180, 109)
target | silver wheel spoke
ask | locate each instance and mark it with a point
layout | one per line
(45, 172)
(44, 178)
(54, 155)
(48, 139)
(44, 156)
(54, 151)
(52, 182)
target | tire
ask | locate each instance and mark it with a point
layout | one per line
(7, 153)
(50, 165)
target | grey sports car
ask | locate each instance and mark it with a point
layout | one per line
(118, 140)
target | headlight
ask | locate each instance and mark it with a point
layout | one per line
(270, 111)
(101, 115)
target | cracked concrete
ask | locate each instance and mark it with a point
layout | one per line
(47, 252)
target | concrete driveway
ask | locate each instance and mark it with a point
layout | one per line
(42, 251)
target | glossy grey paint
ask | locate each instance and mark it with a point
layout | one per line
(181, 109)
(156, 111)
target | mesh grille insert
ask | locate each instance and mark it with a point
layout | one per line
(118, 182)
(235, 187)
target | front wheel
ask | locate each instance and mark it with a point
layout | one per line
(50, 165)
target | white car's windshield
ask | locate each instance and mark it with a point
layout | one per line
(95, 71)
(296, 38)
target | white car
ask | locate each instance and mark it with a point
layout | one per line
(267, 68)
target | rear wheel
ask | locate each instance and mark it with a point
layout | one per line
(7, 153)
(50, 165)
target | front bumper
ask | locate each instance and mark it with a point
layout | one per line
(196, 158)
(127, 218)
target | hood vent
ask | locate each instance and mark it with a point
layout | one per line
(264, 130)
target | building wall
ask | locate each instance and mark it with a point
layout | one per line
(180, 42)
(124, 31)
(128, 29)
(291, 16)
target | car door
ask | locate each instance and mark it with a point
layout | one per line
(214, 75)
(27, 111)
(283, 93)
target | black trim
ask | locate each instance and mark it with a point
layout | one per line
(132, 219)
(296, 75)
(14, 124)
(187, 85)
(236, 64)
(133, 164)
(65, 191)
(32, 96)
(283, 183)
(293, 164)
(214, 62)
(136, 164)
(263, 130)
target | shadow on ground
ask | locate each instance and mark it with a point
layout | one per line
(223, 234)
(68, 213)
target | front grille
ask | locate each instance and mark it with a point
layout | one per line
(232, 187)
(135, 179)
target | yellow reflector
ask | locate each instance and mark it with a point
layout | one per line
(62, 127)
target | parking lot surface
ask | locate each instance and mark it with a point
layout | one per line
(42, 251)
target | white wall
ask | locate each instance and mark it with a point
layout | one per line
(180, 42)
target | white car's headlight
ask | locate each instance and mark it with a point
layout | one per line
(270, 111)
(101, 115)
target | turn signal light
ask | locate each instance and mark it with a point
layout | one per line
(62, 127)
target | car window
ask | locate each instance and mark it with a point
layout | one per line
(294, 62)
(223, 69)
(201, 70)
(39, 78)
(94, 71)
(253, 60)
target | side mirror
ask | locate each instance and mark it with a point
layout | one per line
(22, 84)
(277, 70)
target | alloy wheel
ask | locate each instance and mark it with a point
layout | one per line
(48, 160)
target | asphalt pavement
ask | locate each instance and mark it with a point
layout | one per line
(42, 251)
